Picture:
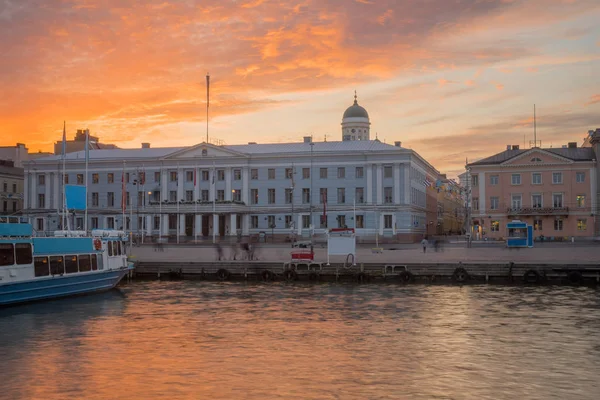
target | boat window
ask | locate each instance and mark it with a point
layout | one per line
(71, 264)
(84, 263)
(119, 247)
(7, 254)
(57, 265)
(41, 267)
(110, 248)
(23, 253)
(95, 263)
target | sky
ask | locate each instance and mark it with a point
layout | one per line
(450, 79)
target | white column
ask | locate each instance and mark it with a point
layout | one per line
(148, 224)
(26, 191)
(482, 193)
(164, 193)
(56, 190)
(34, 183)
(381, 224)
(215, 225)
(397, 184)
(299, 225)
(165, 224)
(379, 184)
(593, 190)
(198, 225)
(197, 187)
(228, 183)
(246, 224)
(213, 178)
(233, 225)
(369, 184)
(407, 184)
(245, 186)
(180, 181)
(182, 224)
(394, 223)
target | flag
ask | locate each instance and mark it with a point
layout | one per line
(64, 139)
(123, 200)
(427, 182)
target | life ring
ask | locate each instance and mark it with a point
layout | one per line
(313, 276)
(97, 244)
(223, 274)
(531, 276)
(362, 277)
(290, 275)
(267, 276)
(405, 277)
(460, 274)
(574, 277)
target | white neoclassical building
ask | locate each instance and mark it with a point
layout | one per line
(278, 189)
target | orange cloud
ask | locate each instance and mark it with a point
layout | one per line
(593, 100)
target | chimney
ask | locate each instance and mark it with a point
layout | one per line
(398, 144)
(145, 145)
(515, 147)
(307, 139)
(572, 145)
(508, 147)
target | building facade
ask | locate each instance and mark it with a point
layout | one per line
(11, 188)
(451, 207)
(280, 190)
(553, 189)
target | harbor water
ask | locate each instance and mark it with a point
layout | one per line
(207, 340)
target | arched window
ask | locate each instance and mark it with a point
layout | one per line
(536, 159)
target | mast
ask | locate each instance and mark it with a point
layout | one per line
(64, 166)
(87, 160)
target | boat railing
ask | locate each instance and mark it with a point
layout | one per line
(7, 219)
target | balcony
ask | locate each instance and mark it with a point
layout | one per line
(538, 211)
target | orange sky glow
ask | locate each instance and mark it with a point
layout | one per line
(450, 79)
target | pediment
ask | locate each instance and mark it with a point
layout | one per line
(203, 150)
(537, 157)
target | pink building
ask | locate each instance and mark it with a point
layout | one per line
(554, 189)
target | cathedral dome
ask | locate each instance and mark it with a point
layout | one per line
(356, 111)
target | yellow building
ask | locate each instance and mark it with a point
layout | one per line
(451, 206)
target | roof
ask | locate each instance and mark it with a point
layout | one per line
(356, 111)
(575, 154)
(248, 149)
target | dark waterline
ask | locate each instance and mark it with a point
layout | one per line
(190, 339)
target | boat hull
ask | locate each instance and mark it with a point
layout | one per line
(61, 286)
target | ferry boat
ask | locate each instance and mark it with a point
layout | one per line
(68, 263)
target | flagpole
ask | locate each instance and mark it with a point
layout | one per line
(195, 204)
(214, 204)
(123, 197)
(160, 207)
(87, 160)
(64, 167)
(207, 102)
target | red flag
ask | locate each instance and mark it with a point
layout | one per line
(123, 201)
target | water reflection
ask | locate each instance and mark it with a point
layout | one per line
(222, 341)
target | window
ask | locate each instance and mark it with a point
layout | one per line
(236, 195)
(40, 224)
(557, 178)
(110, 178)
(95, 178)
(5, 206)
(41, 181)
(387, 221)
(341, 221)
(288, 196)
(494, 179)
(305, 173)
(57, 265)
(156, 225)
(71, 266)
(94, 222)
(516, 200)
(205, 175)
(254, 174)
(110, 223)
(475, 180)
(341, 173)
(5, 187)
(205, 194)
(14, 206)
(14, 187)
(23, 253)
(580, 177)
(537, 224)
(110, 199)
(66, 178)
(140, 199)
(173, 176)
(475, 204)
(387, 195)
(557, 200)
(189, 176)
(323, 195)
(172, 221)
(515, 179)
(360, 221)
(288, 221)
(41, 267)
(271, 221)
(173, 195)
(323, 173)
(388, 172)
(237, 174)
(306, 196)
(359, 195)
(189, 195)
(341, 195)
(359, 172)
(582, 224)
(536, 159)
(288, 173)
(306, 221)
(323, 221)
(157, 176)
(127, 198)
(271, 173)
(84, 263)
(7, 254)
(95, 262)
(80, 179)
(558, 224)
(495, 226)
(221, 195)
(536, 200)
(536, 178)
(41, 200)
(254, 221)
(580, 200)
(253, 196)
(220, 174)
(271, 196)
(494, 203)
(127, 177)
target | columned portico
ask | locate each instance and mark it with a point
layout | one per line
(198, 225)
(233, 225)
(379, 173)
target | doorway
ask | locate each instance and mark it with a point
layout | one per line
(189, 224)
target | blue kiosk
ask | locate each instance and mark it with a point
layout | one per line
(519, 234)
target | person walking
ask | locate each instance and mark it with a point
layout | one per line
(424, 243)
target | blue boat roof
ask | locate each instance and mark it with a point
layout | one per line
(15, 227)
(57, 245)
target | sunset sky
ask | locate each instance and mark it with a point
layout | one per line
(449, 78)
